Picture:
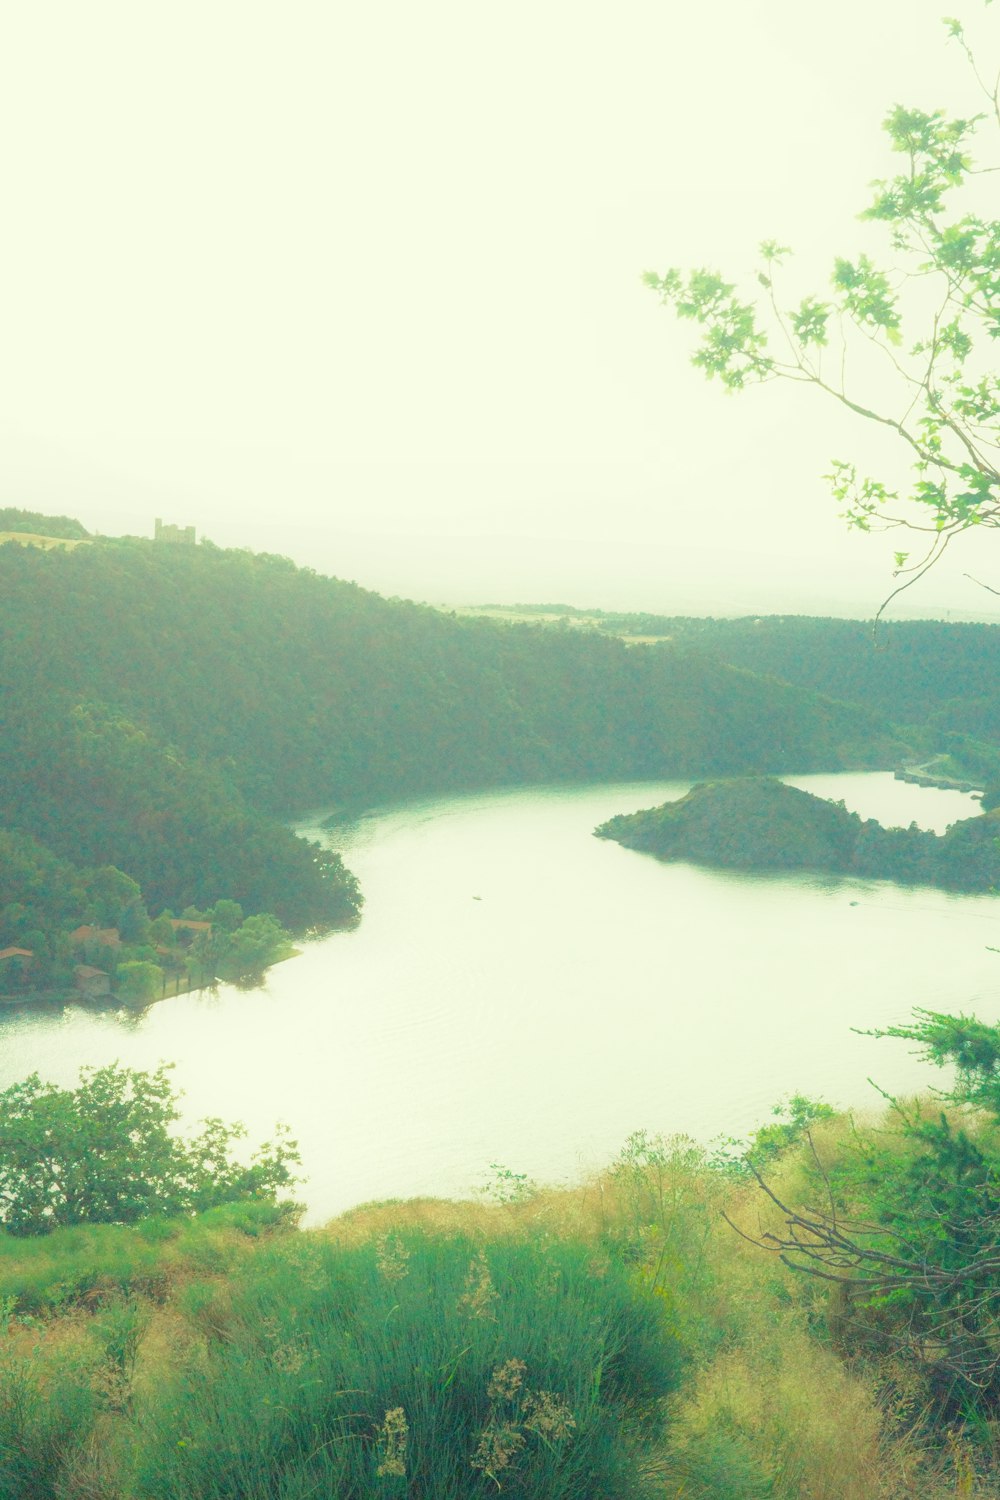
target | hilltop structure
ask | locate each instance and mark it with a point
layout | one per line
(184, 535)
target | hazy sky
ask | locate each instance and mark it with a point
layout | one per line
(360, 284)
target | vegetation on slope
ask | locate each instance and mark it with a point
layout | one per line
(34, 524)
(918, 672)
(106, 1152)
(759, 823)
(615, 1339)
(301, 688)
(164, 706)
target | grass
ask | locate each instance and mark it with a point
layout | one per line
(613, 1342)
(29, 539)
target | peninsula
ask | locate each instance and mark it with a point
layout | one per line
(759, 823)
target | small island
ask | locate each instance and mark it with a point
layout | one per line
(759, 823)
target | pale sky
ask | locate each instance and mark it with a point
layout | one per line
(359, 284)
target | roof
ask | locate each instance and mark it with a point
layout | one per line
(16, 953)
(107, 935)
(85, 971)
(177, 922)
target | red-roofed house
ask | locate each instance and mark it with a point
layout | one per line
(106, 935)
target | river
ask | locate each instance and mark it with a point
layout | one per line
(519, 992)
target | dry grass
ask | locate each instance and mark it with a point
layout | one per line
(767, 1407)
(30, 539)
(807, 1426)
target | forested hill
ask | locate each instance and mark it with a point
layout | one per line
(916, 671)
(299, 688)
(759, 823)
(164, 705)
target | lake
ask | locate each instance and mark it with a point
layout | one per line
(519, 992)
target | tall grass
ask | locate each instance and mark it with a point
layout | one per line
(413, 1365)
(616, 1342)
(47, 1273)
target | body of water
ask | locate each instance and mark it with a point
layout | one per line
(522, 993)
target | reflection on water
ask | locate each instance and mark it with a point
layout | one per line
(521, 992)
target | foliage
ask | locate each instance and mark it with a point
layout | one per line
(282, 690)
(907, 1220)
(96, 788)
(929, 323)
(758, 823)
(34, 523)
(44, 1422)
(435, 1367)
(426, 1335)
(924, 670)
(106, 1153)
(44, 899)
(242, 953)
(139, 981)
(76, 1266)
(792, 1121)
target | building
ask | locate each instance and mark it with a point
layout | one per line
(109, 936)
(91, 982)
(184, 535)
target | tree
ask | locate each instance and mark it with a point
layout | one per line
(906, 1220)
(240, 954)
(260, 941)
(930, 321)
(111, 894)
(907, 1223)
(106, 1153)
(139, 981)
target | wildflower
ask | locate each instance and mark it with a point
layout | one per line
(392, 1439)
(391, 1257)
(506, 1380)
(289, 1358)
(548, 1415)
(498, 1447)
(480, 1293)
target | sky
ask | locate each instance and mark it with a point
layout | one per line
(360, 284)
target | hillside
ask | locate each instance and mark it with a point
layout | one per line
(758, 823)
(914, 672)
(166, 707)
(304, 688)
(611, 1339)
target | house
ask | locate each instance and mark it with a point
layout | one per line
(91, 982)
(15, 964)
(109, 936)
(185, 925)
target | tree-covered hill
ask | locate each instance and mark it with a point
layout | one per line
(931, 672)
(301, 688)
(34, 523)
(164, 706)
(759, 823)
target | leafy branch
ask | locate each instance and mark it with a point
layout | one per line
(932, 318)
